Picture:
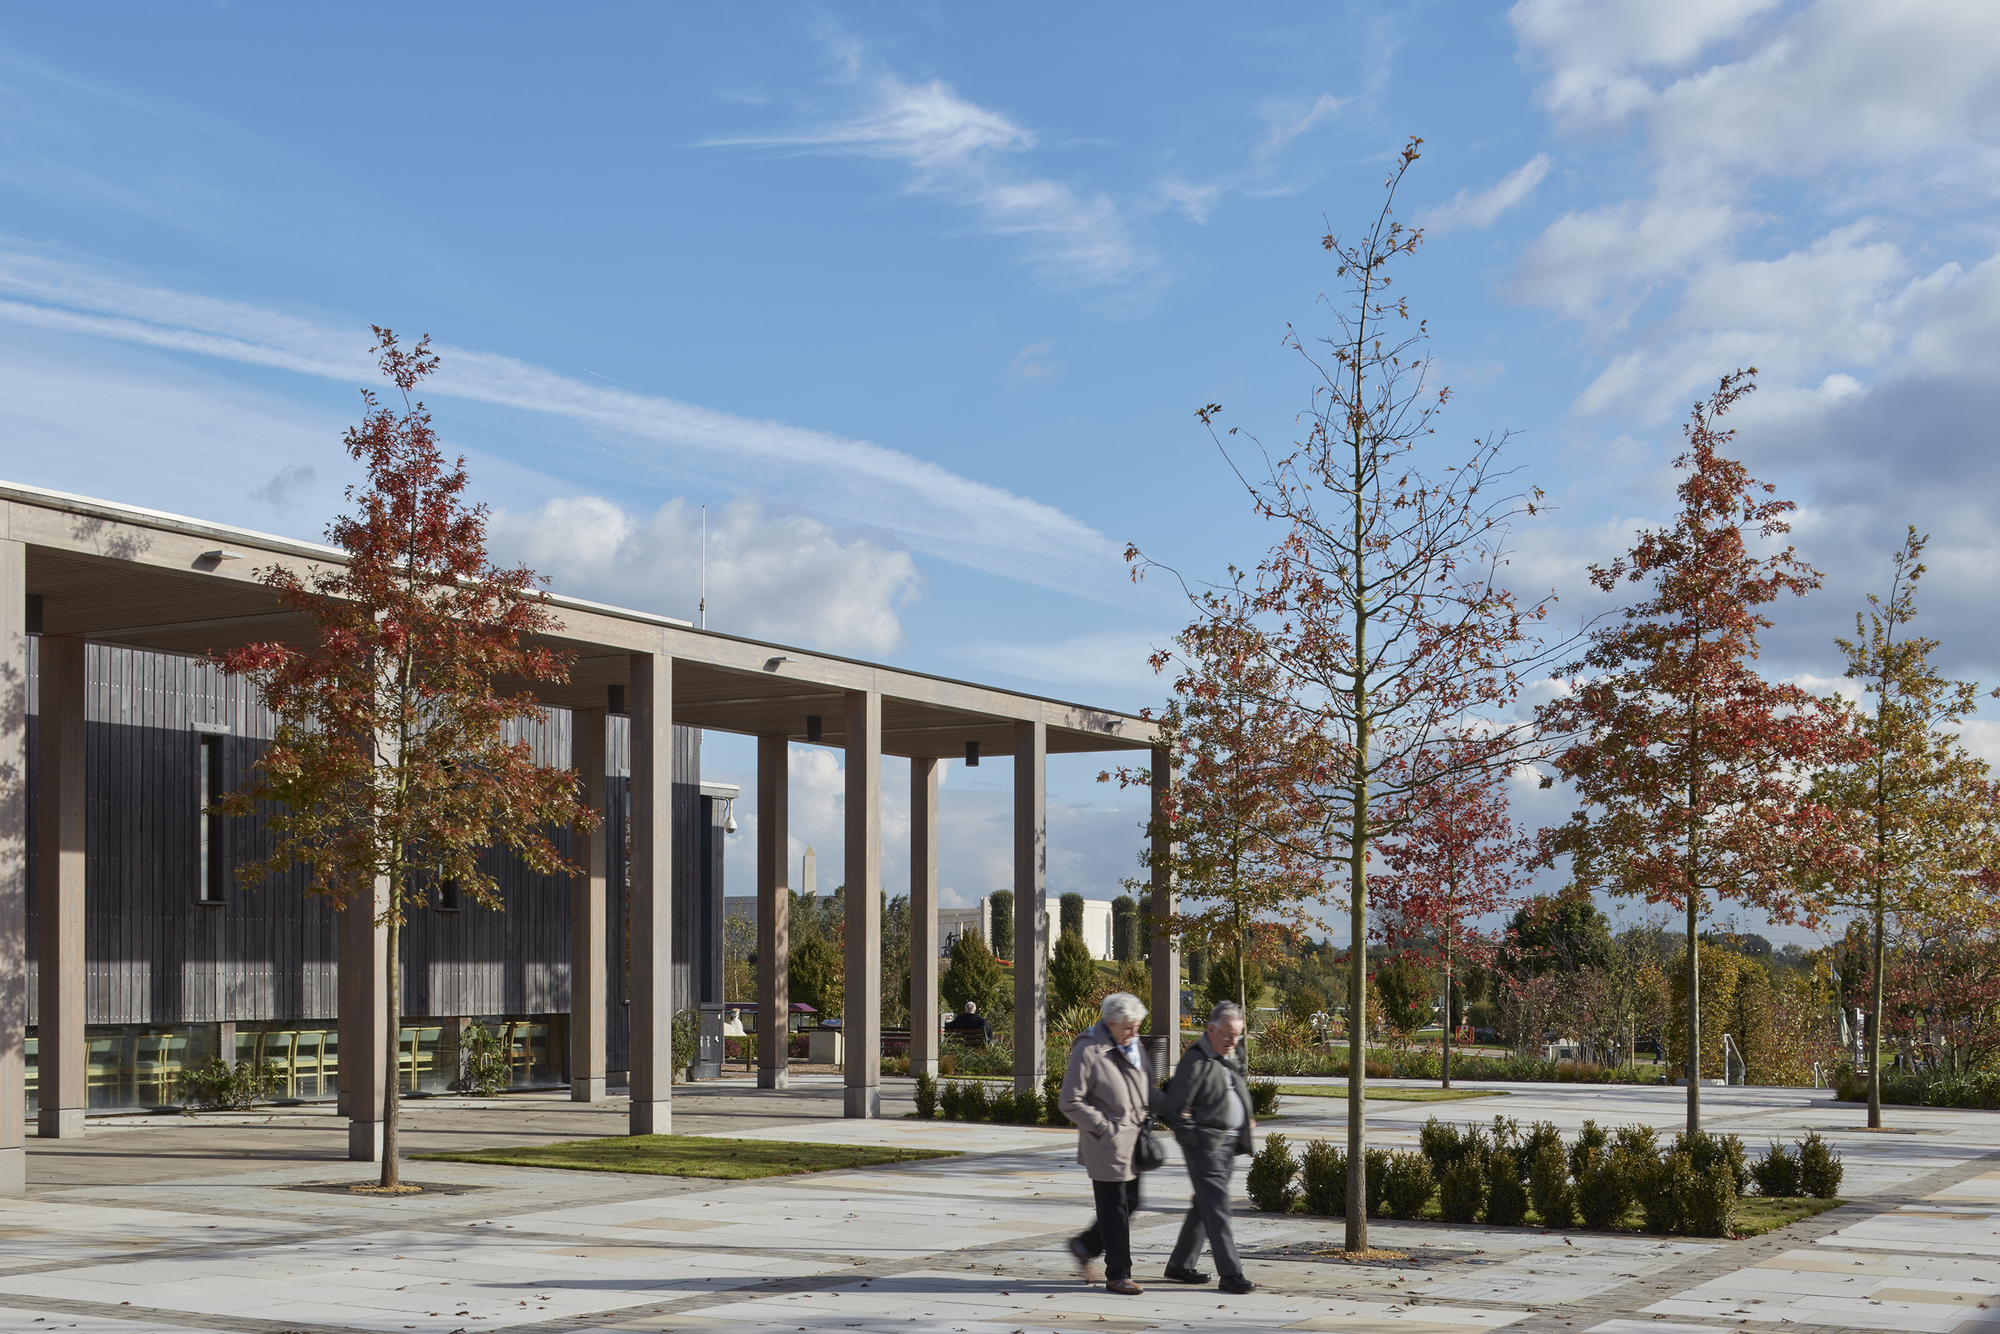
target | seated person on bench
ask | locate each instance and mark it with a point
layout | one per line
(971, 1027)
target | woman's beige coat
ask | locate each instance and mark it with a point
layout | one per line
(1107, 1098)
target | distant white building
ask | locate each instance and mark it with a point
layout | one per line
(953, 922)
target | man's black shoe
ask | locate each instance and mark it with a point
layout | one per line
(1237, 1285)
(1176, 1274)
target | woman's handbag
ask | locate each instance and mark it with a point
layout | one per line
(1147, 1153)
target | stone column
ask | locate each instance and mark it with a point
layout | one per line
(923, 917)
(774, 908)
(861, 1010)
(13, 867)
(1165, 957)
(59, 816)
(651, 696)
(589, 985)
(1031, 911)
(362, 944)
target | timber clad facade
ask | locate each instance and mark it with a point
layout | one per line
(171, 941)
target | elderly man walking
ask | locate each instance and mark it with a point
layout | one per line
(1208, 1107)
(1107, 1093)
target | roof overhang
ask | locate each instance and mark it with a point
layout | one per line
(116, 574)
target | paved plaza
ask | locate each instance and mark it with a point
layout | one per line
(240, 1224)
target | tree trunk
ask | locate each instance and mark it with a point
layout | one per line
(1694, 1017)
(392, 1089)
(1447, 1008)
(1881, 953)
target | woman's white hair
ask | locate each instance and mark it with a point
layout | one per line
(1122, 1007)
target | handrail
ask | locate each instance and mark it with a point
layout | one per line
(1731, 1052)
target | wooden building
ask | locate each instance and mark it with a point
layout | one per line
(181, 965)
(104, 610)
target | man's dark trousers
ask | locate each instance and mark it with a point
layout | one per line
(1209, 1170)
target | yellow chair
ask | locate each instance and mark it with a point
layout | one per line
(277, 1049)
(421, 1057)
(104, 1068)
(309, 1063)
(156, 1065)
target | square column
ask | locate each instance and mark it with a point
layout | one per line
(59, 816)
(13, 868)
(774, 908)
(1165, 965)
(651, 698)
(924, 917)
(1031, 905)
(589, 982)
(861, 1010)
(362, 951)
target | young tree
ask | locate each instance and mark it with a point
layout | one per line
(1000, 923)
(1685, 759)
(1457, 860)
(1923, 805)
(1382, 622)
(396, 761)
(1070, 918)
(1072, 972)
(972, 975)
(1224, 816)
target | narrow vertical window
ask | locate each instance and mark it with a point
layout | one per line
(211, 884)
(447, 896)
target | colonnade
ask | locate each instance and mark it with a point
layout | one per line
(362, 937)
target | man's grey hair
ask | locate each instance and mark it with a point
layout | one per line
(972, 1007)
(1225, 1010)
(1122, 1007)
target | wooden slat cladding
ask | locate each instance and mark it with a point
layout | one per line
(156, 954)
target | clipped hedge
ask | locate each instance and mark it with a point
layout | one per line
(1497, 1175)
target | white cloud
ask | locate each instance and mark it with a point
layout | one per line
(787, 578)
(1598, 50)
(1104, 658)
(929, 508)
(1286, 121)
(1584, 262)
(958, 150)
(1467, 209)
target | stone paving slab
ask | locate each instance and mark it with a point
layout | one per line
(196, 1240)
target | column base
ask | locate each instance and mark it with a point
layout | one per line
(364, 1141)
(652, 1118)
(60, 1122)
(774, 1079)
(13, 1171)
(864, 1103)
(586, 1090)
(929, 1067)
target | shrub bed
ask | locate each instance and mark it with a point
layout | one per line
(1606, 1179)
(1384, 1063)
(1979, 1092)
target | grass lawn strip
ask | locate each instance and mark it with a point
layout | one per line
(1387, 1094)
(692, 1156)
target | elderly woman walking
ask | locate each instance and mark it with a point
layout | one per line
(1107, 1092)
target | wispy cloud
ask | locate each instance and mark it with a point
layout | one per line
(1286, 121)
(1479, 209)
(961, 151)
(650, 438)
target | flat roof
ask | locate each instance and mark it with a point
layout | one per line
(121, 574)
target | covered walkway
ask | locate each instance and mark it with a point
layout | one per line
(75, 571)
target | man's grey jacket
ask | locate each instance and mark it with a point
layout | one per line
(1197, 1102)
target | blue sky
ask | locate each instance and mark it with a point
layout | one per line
(919, 301)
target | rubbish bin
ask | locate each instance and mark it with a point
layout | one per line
(707, 1054)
